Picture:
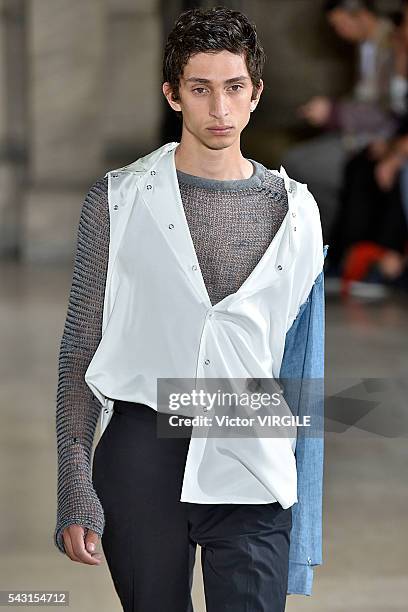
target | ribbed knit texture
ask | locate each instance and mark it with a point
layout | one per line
(231, 224)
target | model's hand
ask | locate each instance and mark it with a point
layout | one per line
(316, 111)
(80, 547)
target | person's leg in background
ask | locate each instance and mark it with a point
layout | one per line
(404, 189)
(369, 214)
(319, 162)
(392, 232)
(137, 476)
(360, 207)
(244, 555)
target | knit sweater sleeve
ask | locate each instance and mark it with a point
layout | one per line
(77, 410)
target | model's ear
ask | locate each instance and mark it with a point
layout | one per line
(254, 103)
(168, 93)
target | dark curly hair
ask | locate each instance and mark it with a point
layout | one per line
(210, 31)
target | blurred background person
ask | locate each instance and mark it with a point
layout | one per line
(369, 237)
(348, 123)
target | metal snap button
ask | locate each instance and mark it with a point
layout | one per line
(279, 267)
(115, 207)
(153, 172)
(194, 267)
(171, 226)
(294, 229)
(148, 186)
(207, 362)
(293, 214)
(115, 175)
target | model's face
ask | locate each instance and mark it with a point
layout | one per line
(215, 91)
(346, 25)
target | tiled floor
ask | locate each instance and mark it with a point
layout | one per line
(366, 482)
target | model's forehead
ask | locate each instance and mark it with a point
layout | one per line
(221, 65)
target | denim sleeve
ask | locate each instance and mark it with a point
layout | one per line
(303, 361)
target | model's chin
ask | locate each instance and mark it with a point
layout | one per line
(216, 141)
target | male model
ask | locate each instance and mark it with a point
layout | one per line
(193, 262)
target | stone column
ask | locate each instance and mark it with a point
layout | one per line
(13, 122)
(133, 107)
(66, 76)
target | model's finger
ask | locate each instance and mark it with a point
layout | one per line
(68, 545)
(91, 541)
(78, 546)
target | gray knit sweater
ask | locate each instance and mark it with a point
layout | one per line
(231, 224)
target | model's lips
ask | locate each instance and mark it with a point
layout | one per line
(221, 130)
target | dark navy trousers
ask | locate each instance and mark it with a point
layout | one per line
(150, 536)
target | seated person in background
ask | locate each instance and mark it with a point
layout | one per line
(370, 217)
(350, 123)
(374, 191)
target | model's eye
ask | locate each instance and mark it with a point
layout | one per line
(199, 89)
(239, 87)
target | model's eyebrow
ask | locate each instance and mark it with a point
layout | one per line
(194, 79)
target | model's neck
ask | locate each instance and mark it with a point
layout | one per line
(224, 164)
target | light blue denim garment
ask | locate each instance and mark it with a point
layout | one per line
(303, 360)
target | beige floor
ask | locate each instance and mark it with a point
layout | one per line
(366, 488)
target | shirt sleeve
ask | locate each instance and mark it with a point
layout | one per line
(77, 410)
(302, 374)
